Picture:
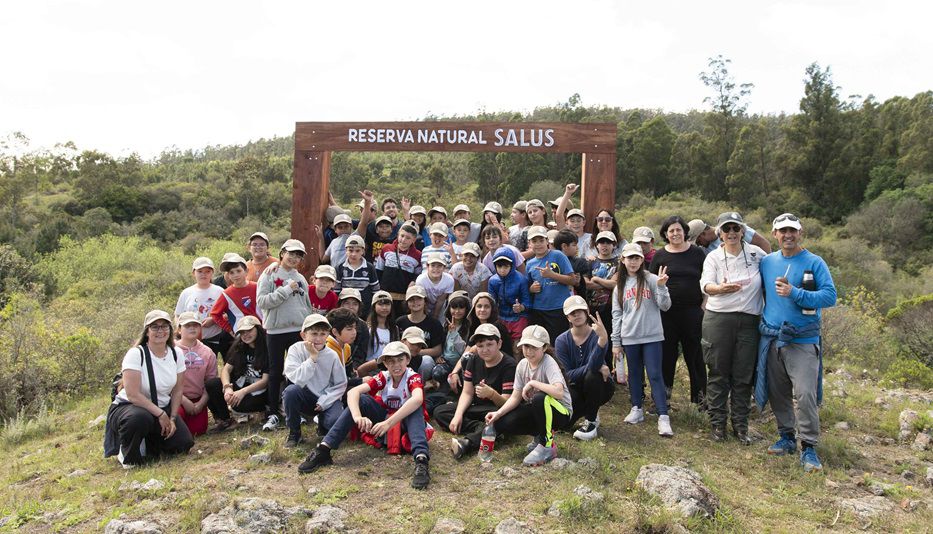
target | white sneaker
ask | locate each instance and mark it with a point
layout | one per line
(272, 423)
(637, 415)
(664, 427)
(587, 431)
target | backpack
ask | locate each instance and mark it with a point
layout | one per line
(116, 384)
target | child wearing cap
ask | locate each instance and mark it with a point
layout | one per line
(399, 265)
(358, 273)
(199, 299)
(350, 299)
(239, 299)
(336, 252)
(602, 279)
(551, 277)
(462, 213)
(439, 245)
(416, 298)
(437, 284)
(644, 237)
(637, 302)
(469, 274)
(461, 231)
(487, 383)
(259, 257)
(382, 330)
(244, 376)
(581, 352)
(540, 401)
(317, 377)
(383, 408)
(321, 294)
(380, 233)
(200, 366)
(281, 297)
(509, 288)
(520, 220)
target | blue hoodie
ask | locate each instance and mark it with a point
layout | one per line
(509, 289)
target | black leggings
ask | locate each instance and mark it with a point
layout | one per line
(538, 418)
(277, 345)
(590, 395)
(683, 328)
(218, 406)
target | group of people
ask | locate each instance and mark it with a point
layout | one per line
(413, 317)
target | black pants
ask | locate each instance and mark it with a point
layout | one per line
(135, 425)
(683, 329)
(218, 406)
(538, 418)
(554, 321)
(590, 395)
(277, 345)
(474, 420)
(220, 344)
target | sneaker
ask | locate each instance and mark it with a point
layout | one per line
(540, 455)
(222, 425)
(664, 427)
(458, 446)
(303, 421)
(293, 441)
(587, 431)
(272, 423)
(718, 434)
(810, 461)
(742, 437)
(637, 415)
(319, 457)
(786, 445)
(531, 445)
(422, 476)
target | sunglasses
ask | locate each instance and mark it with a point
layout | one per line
(786, 217)
(604, 219)
(728, 228)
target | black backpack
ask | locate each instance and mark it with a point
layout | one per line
(116, 384)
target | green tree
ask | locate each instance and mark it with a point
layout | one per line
(651, 156)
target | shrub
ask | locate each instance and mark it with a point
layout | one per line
(911, 321)
(905, 372)
(854, 332)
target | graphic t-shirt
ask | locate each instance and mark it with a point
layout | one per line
(470, 282)
(444, 286)
(553, 293)
(252, 374)
(433, 331)
(393, 396)
(200, 301)
(547, 372)
(324, 304)
(200, 365)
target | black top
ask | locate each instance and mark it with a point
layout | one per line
(433, 331)
(499, 378)
(684, 269)
(582, 267)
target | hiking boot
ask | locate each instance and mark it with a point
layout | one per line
(540, 455)
(786, 445)
(319, 457)
(458, 446)
(293, 441)
(422, 476)
(742, 437)
(810, 461)
(718, 434)
(272, 423)
(664, 427)
(222, 425)
(587, 430)
(637, 415)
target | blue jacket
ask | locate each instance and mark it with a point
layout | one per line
(506, 291)
(784, 335)
(577, 362)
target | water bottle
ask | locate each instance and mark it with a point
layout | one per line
(809, 284)
(620, 368)
(487, 443)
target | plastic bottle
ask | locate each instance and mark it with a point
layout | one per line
(487, 443)
(620, 368)
(809, 284)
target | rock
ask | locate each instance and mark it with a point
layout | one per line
(561, 463)
(869, 440)
(5, 520)
(260, 458)
(839, 392)
(512, 526)
(77, 473)
(121, 526)
(908, 475)
(589, 463)
(831, 485)
(326, 519)
(929, 476)
(233, 473)
(880, 488)
(841, 425)
(888, 441)
(101, 419)
(446, 525)
(509, 472)
(906, 419)
(254, 441)
(312, 491)
(921, 442)
(554, 510)
(909, 505)
(151, 485)
(679, 488)
(867, 507)
(248, 516)
(842, 374)
(588, 494)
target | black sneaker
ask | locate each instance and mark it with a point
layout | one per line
(422, 476)
(718, 434)
(293, 441)
(320, 456)
(458, 446)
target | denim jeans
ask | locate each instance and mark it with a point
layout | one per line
(299, 400)
(414, 425)
(641, 357)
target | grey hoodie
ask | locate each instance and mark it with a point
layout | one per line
(326, 377)
(283, 310)
(631, 326)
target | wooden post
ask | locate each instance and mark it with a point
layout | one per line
(310, 184)
(598, 184)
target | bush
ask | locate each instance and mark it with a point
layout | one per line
(854, 332)
(911, 321)
(906, 372)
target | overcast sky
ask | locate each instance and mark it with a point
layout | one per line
(142, 76)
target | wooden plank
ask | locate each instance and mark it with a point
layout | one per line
(310, 183)
(452, 136)
(598, 184)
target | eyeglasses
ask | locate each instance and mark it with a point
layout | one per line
(604, 219)
(730, 228)
(786, 217)
(158, 327)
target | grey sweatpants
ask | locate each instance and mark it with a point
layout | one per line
(793, 371)
(730, 349)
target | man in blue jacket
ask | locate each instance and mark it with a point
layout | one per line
(797, 284)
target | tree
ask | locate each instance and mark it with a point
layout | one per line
(727, 100)
(651, 156)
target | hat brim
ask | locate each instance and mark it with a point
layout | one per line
(576, 307)
(530, 342)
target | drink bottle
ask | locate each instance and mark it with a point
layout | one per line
(809, 284)
(487, 443)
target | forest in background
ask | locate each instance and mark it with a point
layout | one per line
(89, 242)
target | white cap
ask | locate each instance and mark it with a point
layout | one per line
(247, 323)
(313, 319)
(415, 291)
(786, 220)
(436, 257)
(642, 234)
(413, 334)
(470, 248)
(326, 271)
(355, 241)
(461, 207)
(606, 234)
(156, 315)
(574, 303)
(293, 245)
(201, 262)
(536, 336)
(343, 218)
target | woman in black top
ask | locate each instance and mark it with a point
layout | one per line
(683, 321)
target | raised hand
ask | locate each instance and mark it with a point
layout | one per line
(598, 325)
(572, 188)
(406, 204)
(517, 307)
(662, 276)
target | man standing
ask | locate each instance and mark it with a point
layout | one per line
(796, 284)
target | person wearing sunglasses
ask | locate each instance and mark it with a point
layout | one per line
(797, 284)
(732, 283)
(708, 238)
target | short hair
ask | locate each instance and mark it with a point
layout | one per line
(670, 221)
(564, 237)
(387, 201)
(480, 338)
(490, 230)
(340, 318)
(408, 229)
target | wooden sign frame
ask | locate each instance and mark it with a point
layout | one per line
(315, 141)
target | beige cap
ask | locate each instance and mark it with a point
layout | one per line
(260, 235)
(486, 329)
(332, 212)
(381, 295)
(343, 218)
(410, 226)
(470, 248)
(231, 257)
(415, 291)
(326, 271)
(438, 209)
(552, 235)
(574, 303)
(188, 317)
(439, 228)
(201, 262)
(694, 229)
(576, 212)
(642, 234)
(536, 231)
(247, 323)
(383, 219)
(293, 245)
(413, 334)
(606, 234)
(481, 294)
(458, 222)
(436, 257)
(493, 207)
(534, 202)
(350, 293)
(632, 249)
(457, 294)
(536, 336)
(556, 202)
(156, 315)
(461, 207)
(520, 205)
(355, 241)
(395, 348)
(415, 210)
(313, 319)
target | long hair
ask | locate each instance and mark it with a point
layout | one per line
(487, 231)
(493, 315)
(482, 227)
(144, 336)
(641, 280)
(374, 324)
(465, 323)
(595, 230)
(239, 350)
